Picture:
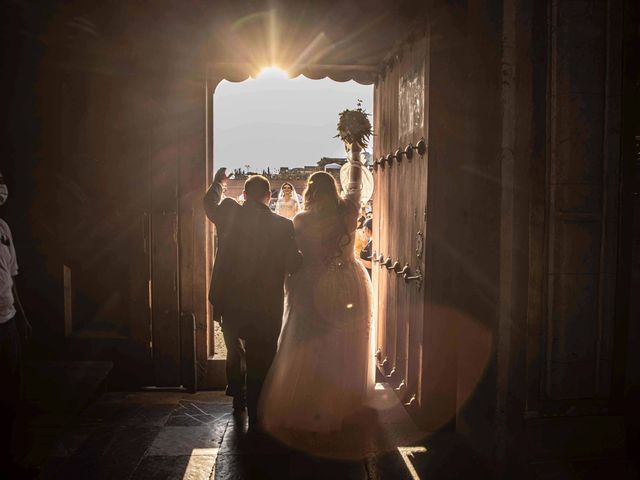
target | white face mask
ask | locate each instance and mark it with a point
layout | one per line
(4, 193)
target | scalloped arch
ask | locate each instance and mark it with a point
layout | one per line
(362, 74)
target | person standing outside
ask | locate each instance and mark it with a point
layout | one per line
(287, 205)
(14, 326)
(365, 253)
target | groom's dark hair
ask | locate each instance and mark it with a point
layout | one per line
(256, 187)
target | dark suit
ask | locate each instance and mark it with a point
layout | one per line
(256, 248)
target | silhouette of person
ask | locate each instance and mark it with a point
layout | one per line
(256, 249)
(14, 326)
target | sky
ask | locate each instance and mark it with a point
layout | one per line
(274, 121)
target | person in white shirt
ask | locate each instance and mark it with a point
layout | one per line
(13, 326)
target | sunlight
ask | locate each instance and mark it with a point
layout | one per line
(201, 460)
(407, 453)
(272, 72)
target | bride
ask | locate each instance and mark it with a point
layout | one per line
(323, 372)
(287, 205)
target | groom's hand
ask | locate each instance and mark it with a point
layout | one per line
(221, 176)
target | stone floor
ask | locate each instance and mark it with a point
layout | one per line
(173, 435)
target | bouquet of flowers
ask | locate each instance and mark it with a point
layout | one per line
(354, 126)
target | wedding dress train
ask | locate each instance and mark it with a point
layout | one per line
(323, 373)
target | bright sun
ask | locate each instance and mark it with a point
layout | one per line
(272, 72)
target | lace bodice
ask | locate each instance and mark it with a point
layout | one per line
(315, 233)
(287, 207)
(317, 251)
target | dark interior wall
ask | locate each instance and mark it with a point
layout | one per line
(573, 324)
(575, 235)
(479, 233)
(627, 360)
(104, 117)
(524, 158)
(630, 196)
(529, 150)
(40, 281)
(465, 202)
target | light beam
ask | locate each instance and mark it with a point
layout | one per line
(272, 72)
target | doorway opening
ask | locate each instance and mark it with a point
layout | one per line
(282, 128)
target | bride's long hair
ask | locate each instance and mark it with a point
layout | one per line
(321, 196)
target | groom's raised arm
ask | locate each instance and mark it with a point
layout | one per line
(212, 206)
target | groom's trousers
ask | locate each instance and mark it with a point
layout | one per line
(251, 343)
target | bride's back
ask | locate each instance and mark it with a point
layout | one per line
(323, 235)
(325, 229)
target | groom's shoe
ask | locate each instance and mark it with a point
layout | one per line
(254, 425)
(239, 405)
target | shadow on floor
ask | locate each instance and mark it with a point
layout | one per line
(178, 435)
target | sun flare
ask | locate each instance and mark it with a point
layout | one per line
(272, 72)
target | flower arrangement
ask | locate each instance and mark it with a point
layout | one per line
(354, 126)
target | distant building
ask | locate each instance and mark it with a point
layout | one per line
(342, 160)
(324, 161)
(332, 166)
(295, 175)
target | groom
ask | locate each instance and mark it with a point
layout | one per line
(256, 249)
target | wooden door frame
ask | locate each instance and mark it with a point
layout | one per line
(210, 370)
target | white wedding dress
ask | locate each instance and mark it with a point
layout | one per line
(323, 374)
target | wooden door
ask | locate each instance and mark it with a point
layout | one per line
(104, 195)
(165, 310)
(571, 321)
(211, 357)
(400, 213)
